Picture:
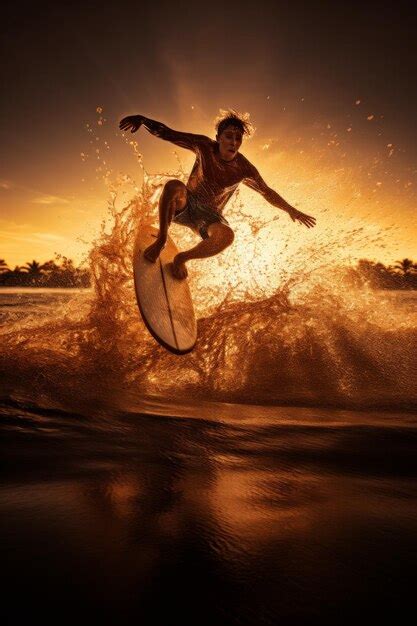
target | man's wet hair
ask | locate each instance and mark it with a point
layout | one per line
(233, 118)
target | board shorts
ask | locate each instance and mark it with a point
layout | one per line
(198, 217)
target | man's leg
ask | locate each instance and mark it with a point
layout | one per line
(220, 237)
(173, 199)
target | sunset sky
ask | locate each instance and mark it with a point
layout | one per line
(330, 89)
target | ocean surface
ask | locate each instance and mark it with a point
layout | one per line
(267, 478)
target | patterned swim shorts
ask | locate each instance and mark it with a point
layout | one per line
(198, 217)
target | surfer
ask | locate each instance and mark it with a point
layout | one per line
(218, 169)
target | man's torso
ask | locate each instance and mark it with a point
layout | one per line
(212, 180)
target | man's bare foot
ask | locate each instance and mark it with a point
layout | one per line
(178, 267)
(153, 251)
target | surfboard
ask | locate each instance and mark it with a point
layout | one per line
(164, 301)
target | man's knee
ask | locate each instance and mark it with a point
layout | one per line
(175, 187)
(223, 233)
(228, 235)
(175, 193)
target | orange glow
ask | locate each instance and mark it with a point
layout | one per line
(343, 177)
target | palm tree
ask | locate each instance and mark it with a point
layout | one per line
(34, 268)
(3, 266)
(406, 266)
(13, 277)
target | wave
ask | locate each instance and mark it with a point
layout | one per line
(287, 332)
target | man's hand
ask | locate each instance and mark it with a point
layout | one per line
(133, 122)
(296, 215)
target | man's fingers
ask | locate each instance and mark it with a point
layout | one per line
(126, 127)
(127, 123)
(307, 220)
(302, 218)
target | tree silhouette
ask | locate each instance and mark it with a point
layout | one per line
(3, 266)
(34, 268)
(50, 266)
(50, 274)
(406, 266)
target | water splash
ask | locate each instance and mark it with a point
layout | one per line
(277, 323)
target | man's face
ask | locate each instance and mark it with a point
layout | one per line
(229, 142)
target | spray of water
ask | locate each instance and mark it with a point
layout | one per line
(277, 322)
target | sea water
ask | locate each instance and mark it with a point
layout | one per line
(266, 477)
(135, 489)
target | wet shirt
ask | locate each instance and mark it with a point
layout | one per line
(212, 180)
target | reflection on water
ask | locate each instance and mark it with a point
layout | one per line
(130, 495)
(238, 515)
(22, 305)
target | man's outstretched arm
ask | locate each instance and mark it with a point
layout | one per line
(256, 182)
(134, 122)
(184, 140)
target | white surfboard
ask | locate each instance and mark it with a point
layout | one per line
(164, 301)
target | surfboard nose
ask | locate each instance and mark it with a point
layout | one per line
(164, 301)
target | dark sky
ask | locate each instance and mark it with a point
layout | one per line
(60, 62)
(57, 60)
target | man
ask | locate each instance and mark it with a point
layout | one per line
(218, 169)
